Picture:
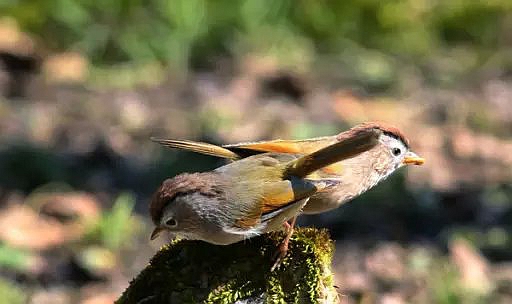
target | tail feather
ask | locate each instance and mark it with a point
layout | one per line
(199, 147)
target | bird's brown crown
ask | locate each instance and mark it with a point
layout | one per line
(385, 128)
(180, 185)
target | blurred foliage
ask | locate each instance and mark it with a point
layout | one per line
(180, 32)
(11, 294)
(444, 284)
(97, 259)
(29, 167)
(116, 227)
(13, 258)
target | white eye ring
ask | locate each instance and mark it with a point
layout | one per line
(171, 222)
(396, 151)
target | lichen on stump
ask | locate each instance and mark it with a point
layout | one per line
(197, 272)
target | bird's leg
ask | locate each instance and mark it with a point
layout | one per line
(283, 247)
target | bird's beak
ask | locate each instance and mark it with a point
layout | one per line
(156, 232)
(412, 158)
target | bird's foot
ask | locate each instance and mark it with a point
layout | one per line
(282, 250)
(280, 254)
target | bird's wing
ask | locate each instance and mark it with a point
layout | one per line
(281, 146)
(324, 154)
(274, 198)
(301, 200)
(198, 147)
(343, 149)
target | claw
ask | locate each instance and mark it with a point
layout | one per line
(282, 250)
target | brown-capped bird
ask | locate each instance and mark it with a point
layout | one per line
(251, 196)
(353, 175)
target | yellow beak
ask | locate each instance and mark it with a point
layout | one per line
(412, 159)
(156, 232)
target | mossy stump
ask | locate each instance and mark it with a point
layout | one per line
(198, 272)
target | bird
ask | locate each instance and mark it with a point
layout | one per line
(354, 175)
(251, 196)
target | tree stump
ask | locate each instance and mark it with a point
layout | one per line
(197, 272)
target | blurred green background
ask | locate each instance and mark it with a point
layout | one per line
(85, 84)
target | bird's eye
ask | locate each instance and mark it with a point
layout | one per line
(171, 222)
(396, 151)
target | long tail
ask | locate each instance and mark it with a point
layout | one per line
(346, 148)
(198, 147)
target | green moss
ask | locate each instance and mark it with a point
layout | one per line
(198, 272)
